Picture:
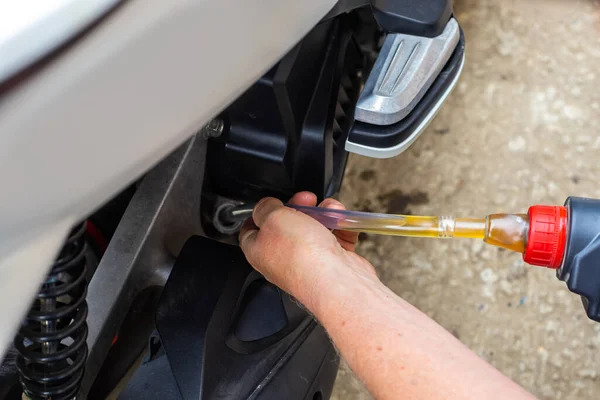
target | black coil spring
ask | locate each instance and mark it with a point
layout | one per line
(52, 341)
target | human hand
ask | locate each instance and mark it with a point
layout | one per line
(297, 253)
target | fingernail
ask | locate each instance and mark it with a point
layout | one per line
(260, 203)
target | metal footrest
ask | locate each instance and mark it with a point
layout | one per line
(410, 81)
(405, 69)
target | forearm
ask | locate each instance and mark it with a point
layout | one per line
(395, 349)
(398, 351)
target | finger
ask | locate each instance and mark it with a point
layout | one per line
(247, 237)
(332, 203)
(248, 225)
(304, 199)
(265, 207)
(347, 239)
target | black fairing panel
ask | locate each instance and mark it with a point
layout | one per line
(229, 334)
(286, 133)
(413, 17)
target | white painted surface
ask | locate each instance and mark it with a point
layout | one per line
(116, 103)
(30, 29)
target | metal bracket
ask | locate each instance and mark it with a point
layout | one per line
(405, 69)
(379, 141)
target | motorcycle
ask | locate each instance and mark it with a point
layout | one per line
(128, 129)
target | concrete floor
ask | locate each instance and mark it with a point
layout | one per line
(521, 128)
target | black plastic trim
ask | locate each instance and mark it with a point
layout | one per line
(413, 17)
(197, 317)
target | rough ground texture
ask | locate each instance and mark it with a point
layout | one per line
(522, 127)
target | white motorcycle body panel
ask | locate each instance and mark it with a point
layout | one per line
(30, 29)
(111, 105)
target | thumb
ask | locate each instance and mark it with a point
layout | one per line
(264, 208)
(249, 232)
(247, 238)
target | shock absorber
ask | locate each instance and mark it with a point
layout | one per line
(52, 340)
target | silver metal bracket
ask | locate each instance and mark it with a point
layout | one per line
(388, 152)
(405, 69)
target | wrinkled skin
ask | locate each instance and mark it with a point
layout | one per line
(294, 251)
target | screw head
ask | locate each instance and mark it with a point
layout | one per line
(213, 129)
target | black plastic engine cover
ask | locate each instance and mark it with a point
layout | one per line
(229, 334)
(286, 133)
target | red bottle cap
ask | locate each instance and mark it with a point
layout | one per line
(547, 236)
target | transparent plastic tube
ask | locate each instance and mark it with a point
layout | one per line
(503, 230)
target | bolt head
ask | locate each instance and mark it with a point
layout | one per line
(213, 129)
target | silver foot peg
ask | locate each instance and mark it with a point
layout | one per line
(410, 80)
(405, 69)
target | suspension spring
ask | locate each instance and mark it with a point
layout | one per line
(52, 341)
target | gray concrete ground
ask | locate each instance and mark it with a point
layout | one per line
(521, 128)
